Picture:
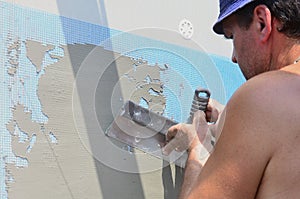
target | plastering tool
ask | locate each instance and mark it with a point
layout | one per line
(145, 130)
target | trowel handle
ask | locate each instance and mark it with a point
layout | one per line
(200, 102)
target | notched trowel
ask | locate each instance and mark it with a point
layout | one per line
(145, 130)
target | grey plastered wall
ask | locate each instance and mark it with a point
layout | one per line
(72, 168)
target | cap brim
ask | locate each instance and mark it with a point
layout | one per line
(218, 28)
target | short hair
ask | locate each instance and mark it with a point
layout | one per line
(286, 11)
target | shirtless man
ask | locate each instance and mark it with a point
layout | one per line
(257, 153)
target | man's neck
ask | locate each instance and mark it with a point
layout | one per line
(286, 51)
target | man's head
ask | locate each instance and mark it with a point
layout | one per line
(259, 29)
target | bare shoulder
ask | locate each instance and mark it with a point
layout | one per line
(276, 91)
(270, 101)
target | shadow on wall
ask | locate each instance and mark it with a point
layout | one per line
(97, 97)
(109, 179)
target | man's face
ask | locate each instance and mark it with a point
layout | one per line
(246, 51)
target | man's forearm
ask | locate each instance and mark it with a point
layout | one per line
(192, 171)
(197, 157)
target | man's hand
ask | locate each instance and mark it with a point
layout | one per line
(189, 136)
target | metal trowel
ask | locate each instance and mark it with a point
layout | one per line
(145, 130)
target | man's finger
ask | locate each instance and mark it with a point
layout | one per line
(172, 145)
(172, 131)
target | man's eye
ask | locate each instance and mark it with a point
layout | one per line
(228, 36)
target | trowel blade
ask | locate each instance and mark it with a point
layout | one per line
(145, 130)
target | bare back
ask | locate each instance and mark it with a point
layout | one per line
(281, 178)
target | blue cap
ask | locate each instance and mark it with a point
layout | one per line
(228, 7)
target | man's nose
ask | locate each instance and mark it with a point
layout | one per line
(233, 57)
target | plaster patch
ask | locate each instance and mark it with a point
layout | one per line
(23, 120)
(21, 129)
(36, 53)
(141, 83)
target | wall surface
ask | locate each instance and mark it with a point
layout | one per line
(66, 69)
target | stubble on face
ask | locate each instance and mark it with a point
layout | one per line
(247, 52)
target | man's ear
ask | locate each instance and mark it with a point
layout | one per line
(263, 22)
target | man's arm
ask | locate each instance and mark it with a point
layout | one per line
(199, 151)
(193, 168)
(192, 171)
